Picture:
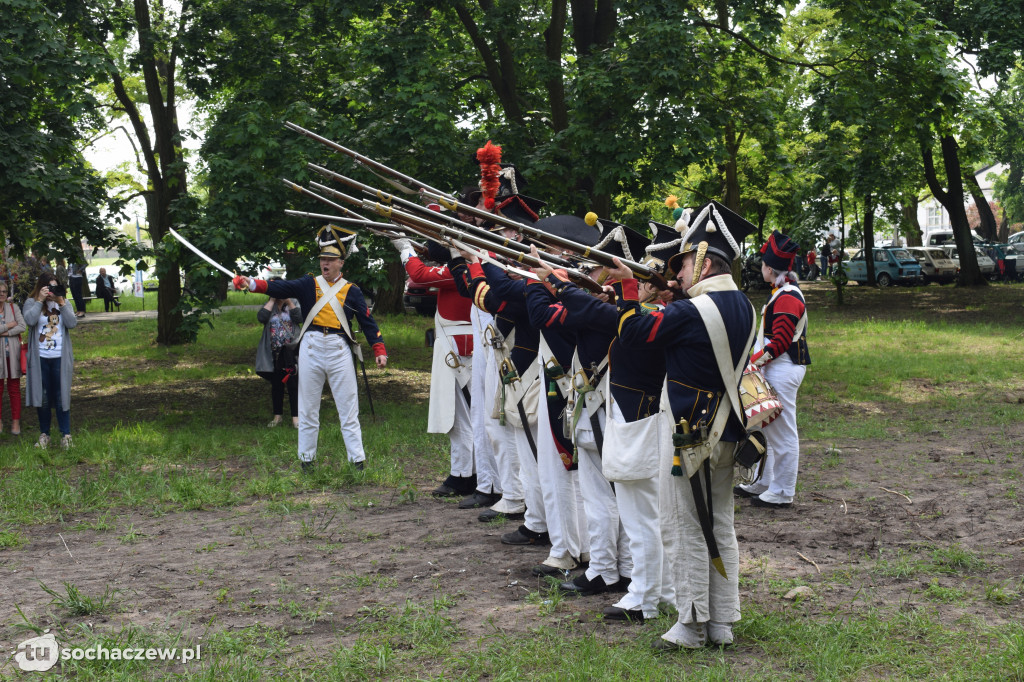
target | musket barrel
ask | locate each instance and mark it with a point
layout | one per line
(446, 234)
(364, 160)
(425, 212)
(302, 190)
(584, 251)
(338, 219)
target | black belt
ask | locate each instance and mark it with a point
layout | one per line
(326, 330)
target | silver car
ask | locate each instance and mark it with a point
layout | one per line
(985, 264)
(936, 265)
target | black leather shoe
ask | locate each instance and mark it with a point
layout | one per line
(359, 466)
(307, 467)
(455, 486)
(490, 515)
(479, 500)
(740, 492)
(546, 571)
(585, 587)
(525, 536)
(758, 502)
(630, 615)
(622, 586)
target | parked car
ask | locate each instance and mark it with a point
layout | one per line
(943, 237)
(121, 283)
(985, 264)
(1009, 260)
(936, 266)
(263, 271)
(419, 299)
(893, 265)
(1016, 238)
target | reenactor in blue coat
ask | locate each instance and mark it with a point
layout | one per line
(712, 328)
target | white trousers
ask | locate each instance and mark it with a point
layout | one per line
(560, 490)
(702, 594)
(610, 555)
(783, 457)
(645, 506)
(327, 357)
(461, 436)
(536, 519)
(488, 479)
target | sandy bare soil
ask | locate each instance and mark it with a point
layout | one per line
(316, 571)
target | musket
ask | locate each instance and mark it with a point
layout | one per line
(451, 235)
(336, 218)
(390, 235)
(392, 200)
(366, 161)
(386, 209)
(302, 190)
(600, 257)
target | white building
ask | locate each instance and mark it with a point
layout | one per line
(934, 217)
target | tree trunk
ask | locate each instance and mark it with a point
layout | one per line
(869, 237)
(953, 201)
(911, 225)
(389, 301)
(730, 172)
(988, 229)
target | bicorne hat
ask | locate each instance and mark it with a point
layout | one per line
(335, 242)
(619, 240)
(712, 229)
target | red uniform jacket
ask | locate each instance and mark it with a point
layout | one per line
(450, 305)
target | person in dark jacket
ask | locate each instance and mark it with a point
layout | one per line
(276, 359)
(106, 290)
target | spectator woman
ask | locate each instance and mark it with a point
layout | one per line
(275, 359)
(49, 318)
(781, 352)
(12, 324)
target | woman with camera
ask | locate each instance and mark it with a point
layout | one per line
(49, 317)
(275, 358)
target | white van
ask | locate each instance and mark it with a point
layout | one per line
(943, 237)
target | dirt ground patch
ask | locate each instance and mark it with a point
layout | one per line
(318, 565)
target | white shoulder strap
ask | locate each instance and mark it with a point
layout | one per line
(720, 344)
(328, 296)
(801, 324)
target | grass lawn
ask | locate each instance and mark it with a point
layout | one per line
(178, 519)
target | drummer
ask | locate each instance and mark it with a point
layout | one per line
(781, 353)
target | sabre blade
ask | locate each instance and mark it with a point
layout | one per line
(199, 253)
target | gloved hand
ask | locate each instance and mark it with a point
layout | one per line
(404, 248)
(760, 358)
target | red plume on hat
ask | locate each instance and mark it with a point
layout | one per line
(489, 157)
